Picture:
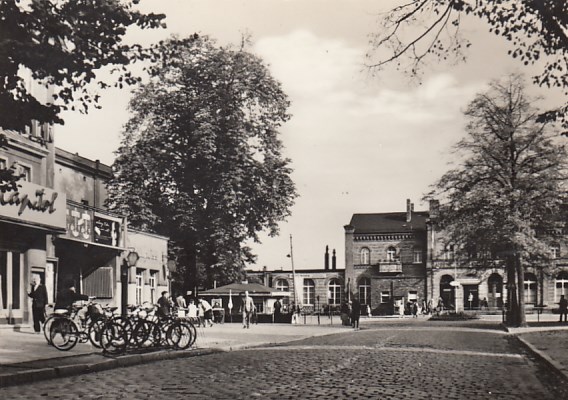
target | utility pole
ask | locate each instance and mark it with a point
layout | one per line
(293, 272)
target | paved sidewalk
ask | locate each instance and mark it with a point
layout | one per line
(26, 357)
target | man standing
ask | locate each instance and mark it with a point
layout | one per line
(38, 294)
(277, 308)
(247, 308)
(563, 308)
(206, 310)
(355, 312)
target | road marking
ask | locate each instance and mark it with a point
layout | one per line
(393, 348)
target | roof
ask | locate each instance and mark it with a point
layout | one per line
(237, 288)
(389, 222)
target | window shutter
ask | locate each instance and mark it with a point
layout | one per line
(99, 283)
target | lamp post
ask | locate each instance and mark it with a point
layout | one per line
(130, 261)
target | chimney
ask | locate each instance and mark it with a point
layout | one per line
(326, 258)
(408, 210)
(333, 261)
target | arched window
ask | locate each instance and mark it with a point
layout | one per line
(365, 291)
(391, 253)
(530, 288)
(334, 292)
(282, 285)
(365, 256)
(309, 292)
(561, 285)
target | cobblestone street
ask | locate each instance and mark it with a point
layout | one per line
(392, 362)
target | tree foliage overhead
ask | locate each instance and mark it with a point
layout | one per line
(62, 43)
(418, 31)
(510, 185)
(201, 160)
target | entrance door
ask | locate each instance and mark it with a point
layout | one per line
(11, 287)
(495, 291)
(471, 296)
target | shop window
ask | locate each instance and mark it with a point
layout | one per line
(99, 283)
(334, 292)
(309, 292)
(11, 280)
(365, 256)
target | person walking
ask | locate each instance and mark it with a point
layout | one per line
(38, 294)
(247, 309)
(563, 308)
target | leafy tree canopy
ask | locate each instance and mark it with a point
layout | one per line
(201, 160)
(62, 43)
(411, 34)
(509, 187)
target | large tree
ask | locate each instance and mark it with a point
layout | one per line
(418, 31)
(508, 188)
(62, 44)
(201, 160)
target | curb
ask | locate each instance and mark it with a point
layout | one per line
(551, 364)
(36, 375)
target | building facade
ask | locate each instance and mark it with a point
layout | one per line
(55, 225)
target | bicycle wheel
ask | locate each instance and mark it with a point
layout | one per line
(63, 334)
(178, 336)
(193, 332)
(47, 327)
(113, 338)
(94, 332)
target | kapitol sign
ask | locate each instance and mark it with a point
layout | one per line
(34, 205)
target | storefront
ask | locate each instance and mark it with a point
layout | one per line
(29, 217)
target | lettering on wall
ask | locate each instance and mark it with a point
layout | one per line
(34, 204)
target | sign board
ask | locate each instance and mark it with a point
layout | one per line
(34, 204)
(106, 230)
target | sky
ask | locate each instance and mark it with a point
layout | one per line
(359, 143)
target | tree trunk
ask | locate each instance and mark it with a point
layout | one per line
(512, 296)
(522, 319)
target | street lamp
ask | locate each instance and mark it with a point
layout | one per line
(130, 261)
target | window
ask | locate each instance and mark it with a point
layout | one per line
(334, 292)
(24, 170)
(152, 284)
(417, 255)
(530, 288)
(412, 295)
(561, 285)
(139, 285)
(555, 251)
(449, 252)
(282, 285)
(309, 292)
(365, 291)
(3, 163)
(391, 254)
(385, 297)
(99, 283)
(365, 256)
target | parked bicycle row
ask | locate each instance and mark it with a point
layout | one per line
(143, 328)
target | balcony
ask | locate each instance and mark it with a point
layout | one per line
(390, 266)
